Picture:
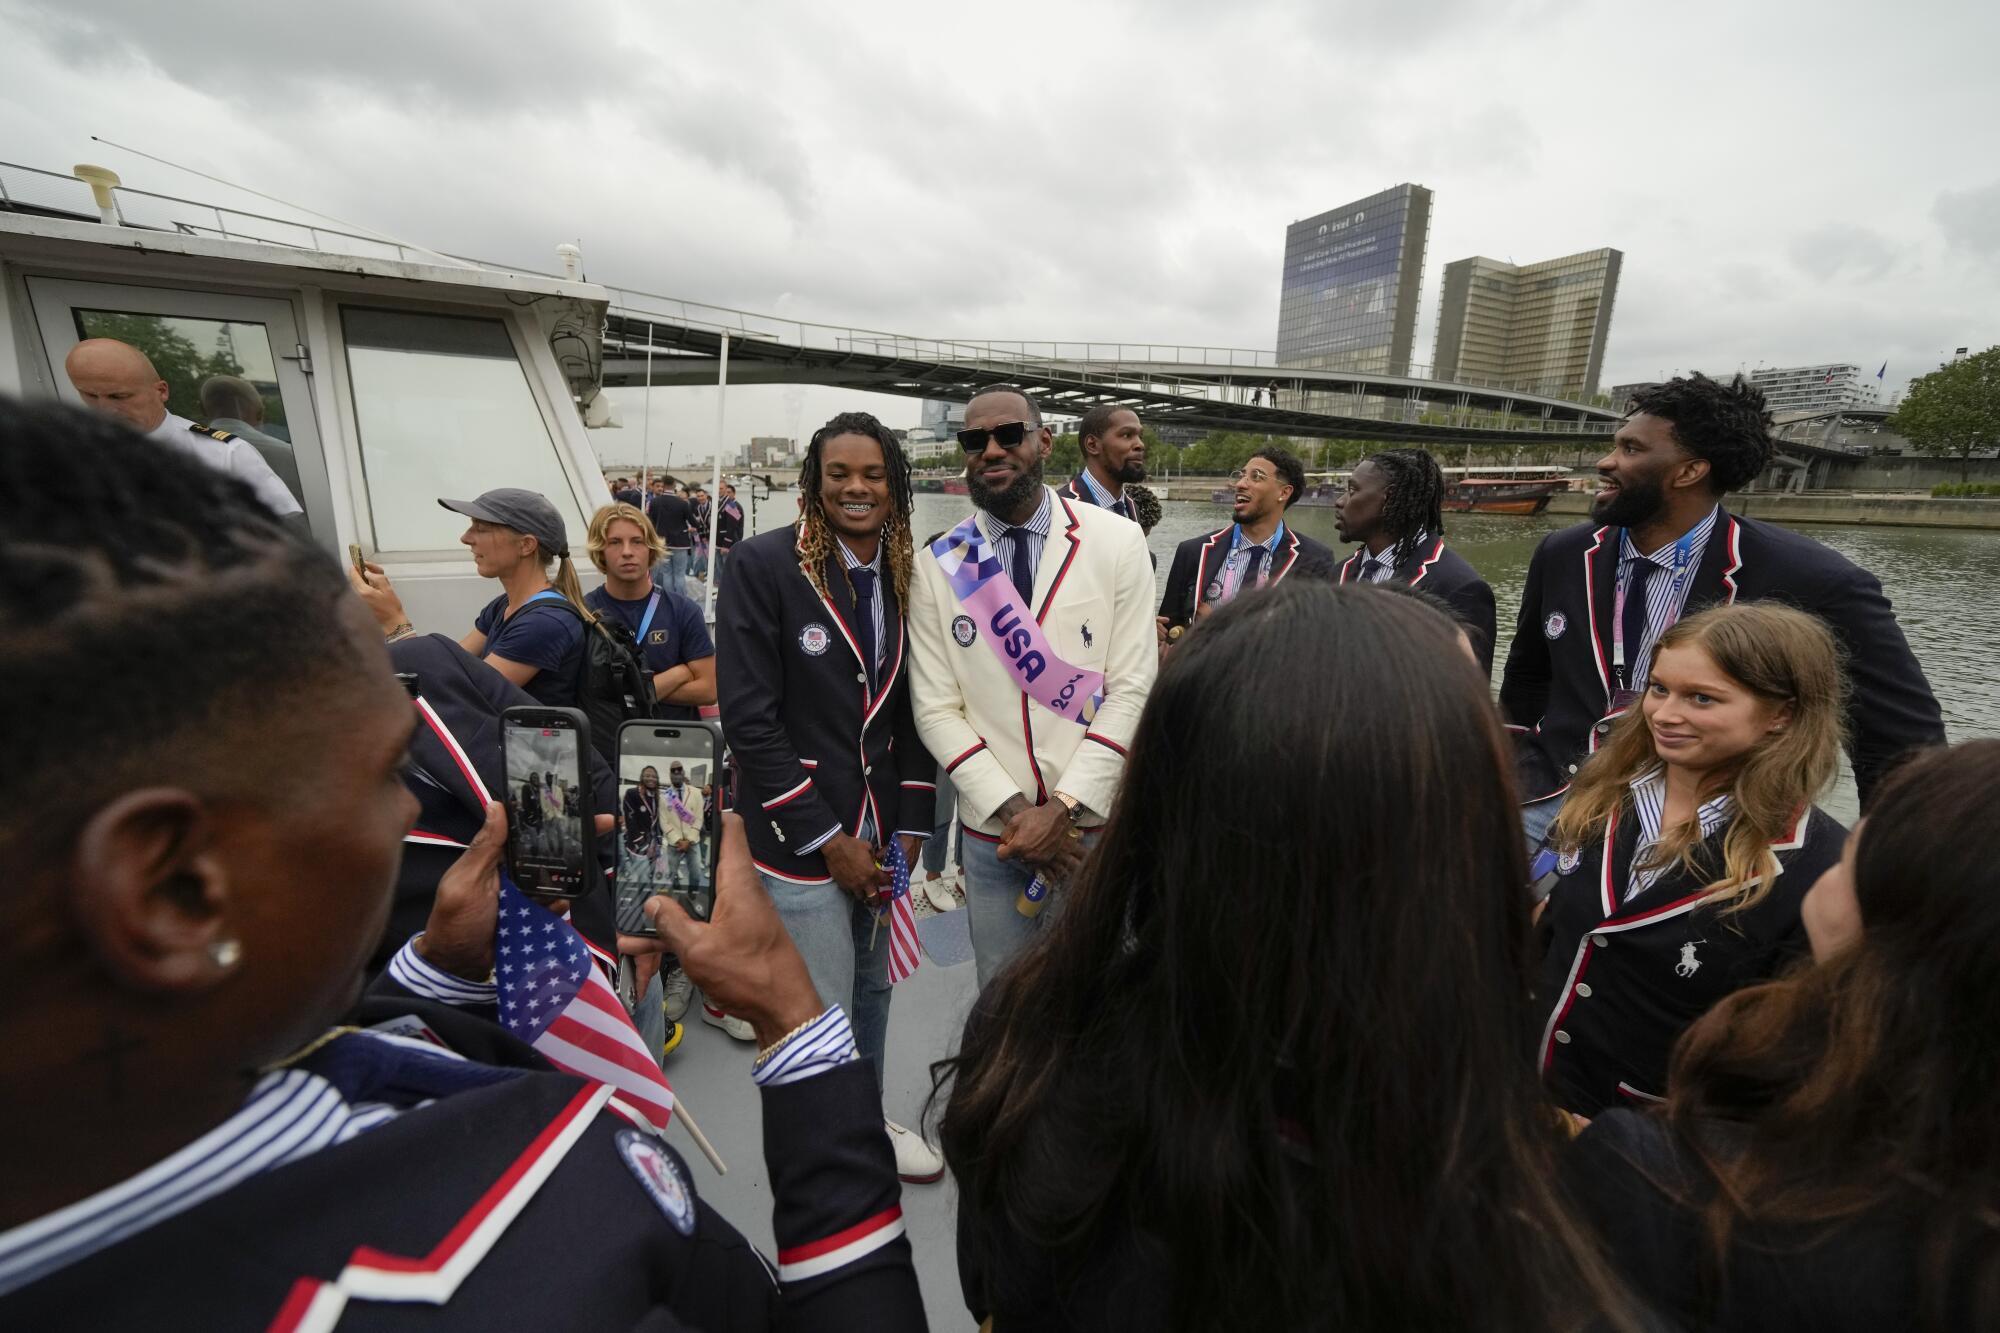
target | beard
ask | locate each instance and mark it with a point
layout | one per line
(1131, 471)
(1636, 502)
(1009, 499)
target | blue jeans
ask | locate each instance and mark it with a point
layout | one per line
(991, 888)
(686, 869)
(834, 934)
(650, 1017)
(670, 575)
(1538, 816)
(935, 850)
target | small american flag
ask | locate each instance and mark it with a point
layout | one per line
(554, 997)
(903, 950)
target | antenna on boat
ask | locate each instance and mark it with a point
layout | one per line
(272, 198)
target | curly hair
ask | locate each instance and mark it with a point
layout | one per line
(1725, 424)
(1415, 502)
(816, 539)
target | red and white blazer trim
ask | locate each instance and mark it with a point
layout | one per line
(785, 797)
(372, 1275)
(820, 1257)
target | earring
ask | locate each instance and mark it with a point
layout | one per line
(225, 953)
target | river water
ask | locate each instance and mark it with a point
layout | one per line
(1941, 581)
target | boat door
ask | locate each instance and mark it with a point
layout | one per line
(244, 350)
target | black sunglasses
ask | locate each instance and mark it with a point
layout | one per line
(1010, 434)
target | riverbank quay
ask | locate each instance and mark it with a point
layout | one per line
(1902, 511)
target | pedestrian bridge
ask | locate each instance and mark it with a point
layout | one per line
(665, 342)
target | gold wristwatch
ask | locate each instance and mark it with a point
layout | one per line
(1069, 803)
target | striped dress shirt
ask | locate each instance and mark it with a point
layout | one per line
(1666, 589)
(1649, 801)
(1035, 532)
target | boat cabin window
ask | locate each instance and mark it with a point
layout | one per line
(443, 408)
(220, 372)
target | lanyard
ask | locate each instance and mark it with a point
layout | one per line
(652, 605)
(1270, 544)
(1683, 567)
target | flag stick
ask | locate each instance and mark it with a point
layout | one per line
(686, 1117)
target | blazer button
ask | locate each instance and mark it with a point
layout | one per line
(1600, 941)
(1602, 728)
(1583, 989)
(868, 770)
(860, 678)
(1562, 1036)
(1572, 768)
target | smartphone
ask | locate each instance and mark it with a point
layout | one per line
(669, 821)
(354, 558)
(544, 753)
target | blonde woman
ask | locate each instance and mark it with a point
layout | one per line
(1685, 847)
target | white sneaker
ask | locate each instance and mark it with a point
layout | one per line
(939, 892)
(734, 1026)
(676, 993)
(916, 1161)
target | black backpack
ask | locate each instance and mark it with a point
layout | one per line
(613, 685)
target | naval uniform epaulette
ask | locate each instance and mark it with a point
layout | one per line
(211, 432)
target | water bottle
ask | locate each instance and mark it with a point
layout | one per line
(1034, 897)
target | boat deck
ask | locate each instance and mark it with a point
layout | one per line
(713, 1072)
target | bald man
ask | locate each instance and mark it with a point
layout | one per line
(232, 403)
(118, 380)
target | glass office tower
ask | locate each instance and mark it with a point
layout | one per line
(1348, 300)
(1537, 327)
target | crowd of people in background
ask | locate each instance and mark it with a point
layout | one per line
(1315, 987)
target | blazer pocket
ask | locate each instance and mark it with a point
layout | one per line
(1081, 631)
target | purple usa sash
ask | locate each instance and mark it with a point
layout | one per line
(980, 583)
(680, 810)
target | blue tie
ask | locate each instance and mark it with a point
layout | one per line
(1255, 556)
(864, 616)
(1635, 618)
(1020, 568)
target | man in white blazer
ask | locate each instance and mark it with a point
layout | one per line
(1033, 783)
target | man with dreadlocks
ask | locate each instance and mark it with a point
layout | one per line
(1659, 545)
(815, 695)
(1394, 507)
(1034, 654)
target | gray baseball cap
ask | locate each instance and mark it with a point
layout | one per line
(524, 511)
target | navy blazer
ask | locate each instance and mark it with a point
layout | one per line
(391, 1215)
(1198, 564)
(1075, 489)
(467, 696)
(1556, 689)
(814, 746)
(1444, 573)
(1622, 979)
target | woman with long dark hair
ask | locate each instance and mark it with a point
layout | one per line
(1830, 1153)
(1268, 1072)
(1686, 845)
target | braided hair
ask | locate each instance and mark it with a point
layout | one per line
(1415, 502)
(147, 603)
(816, 539)
(1727, 424)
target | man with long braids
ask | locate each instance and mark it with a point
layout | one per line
(1032, 632)
(1394, 507)
(814, 676)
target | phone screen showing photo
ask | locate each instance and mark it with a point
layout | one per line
(668, 823)
(546, 846)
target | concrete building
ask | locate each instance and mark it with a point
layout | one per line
(1348, 294)
(1540, 327)
(1815, 388)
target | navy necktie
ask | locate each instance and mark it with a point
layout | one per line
(1370, 566)
(1634, 627)
(864, 616)
(1021, 568)
(1254, 561)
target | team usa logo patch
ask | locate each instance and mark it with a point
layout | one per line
(1568, 861)
(962, 629)
(1554, 626)
(659, 1177)
(815, 639)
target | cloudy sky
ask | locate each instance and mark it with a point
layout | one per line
(1789, 181)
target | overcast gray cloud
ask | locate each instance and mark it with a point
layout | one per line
(1789, 181)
